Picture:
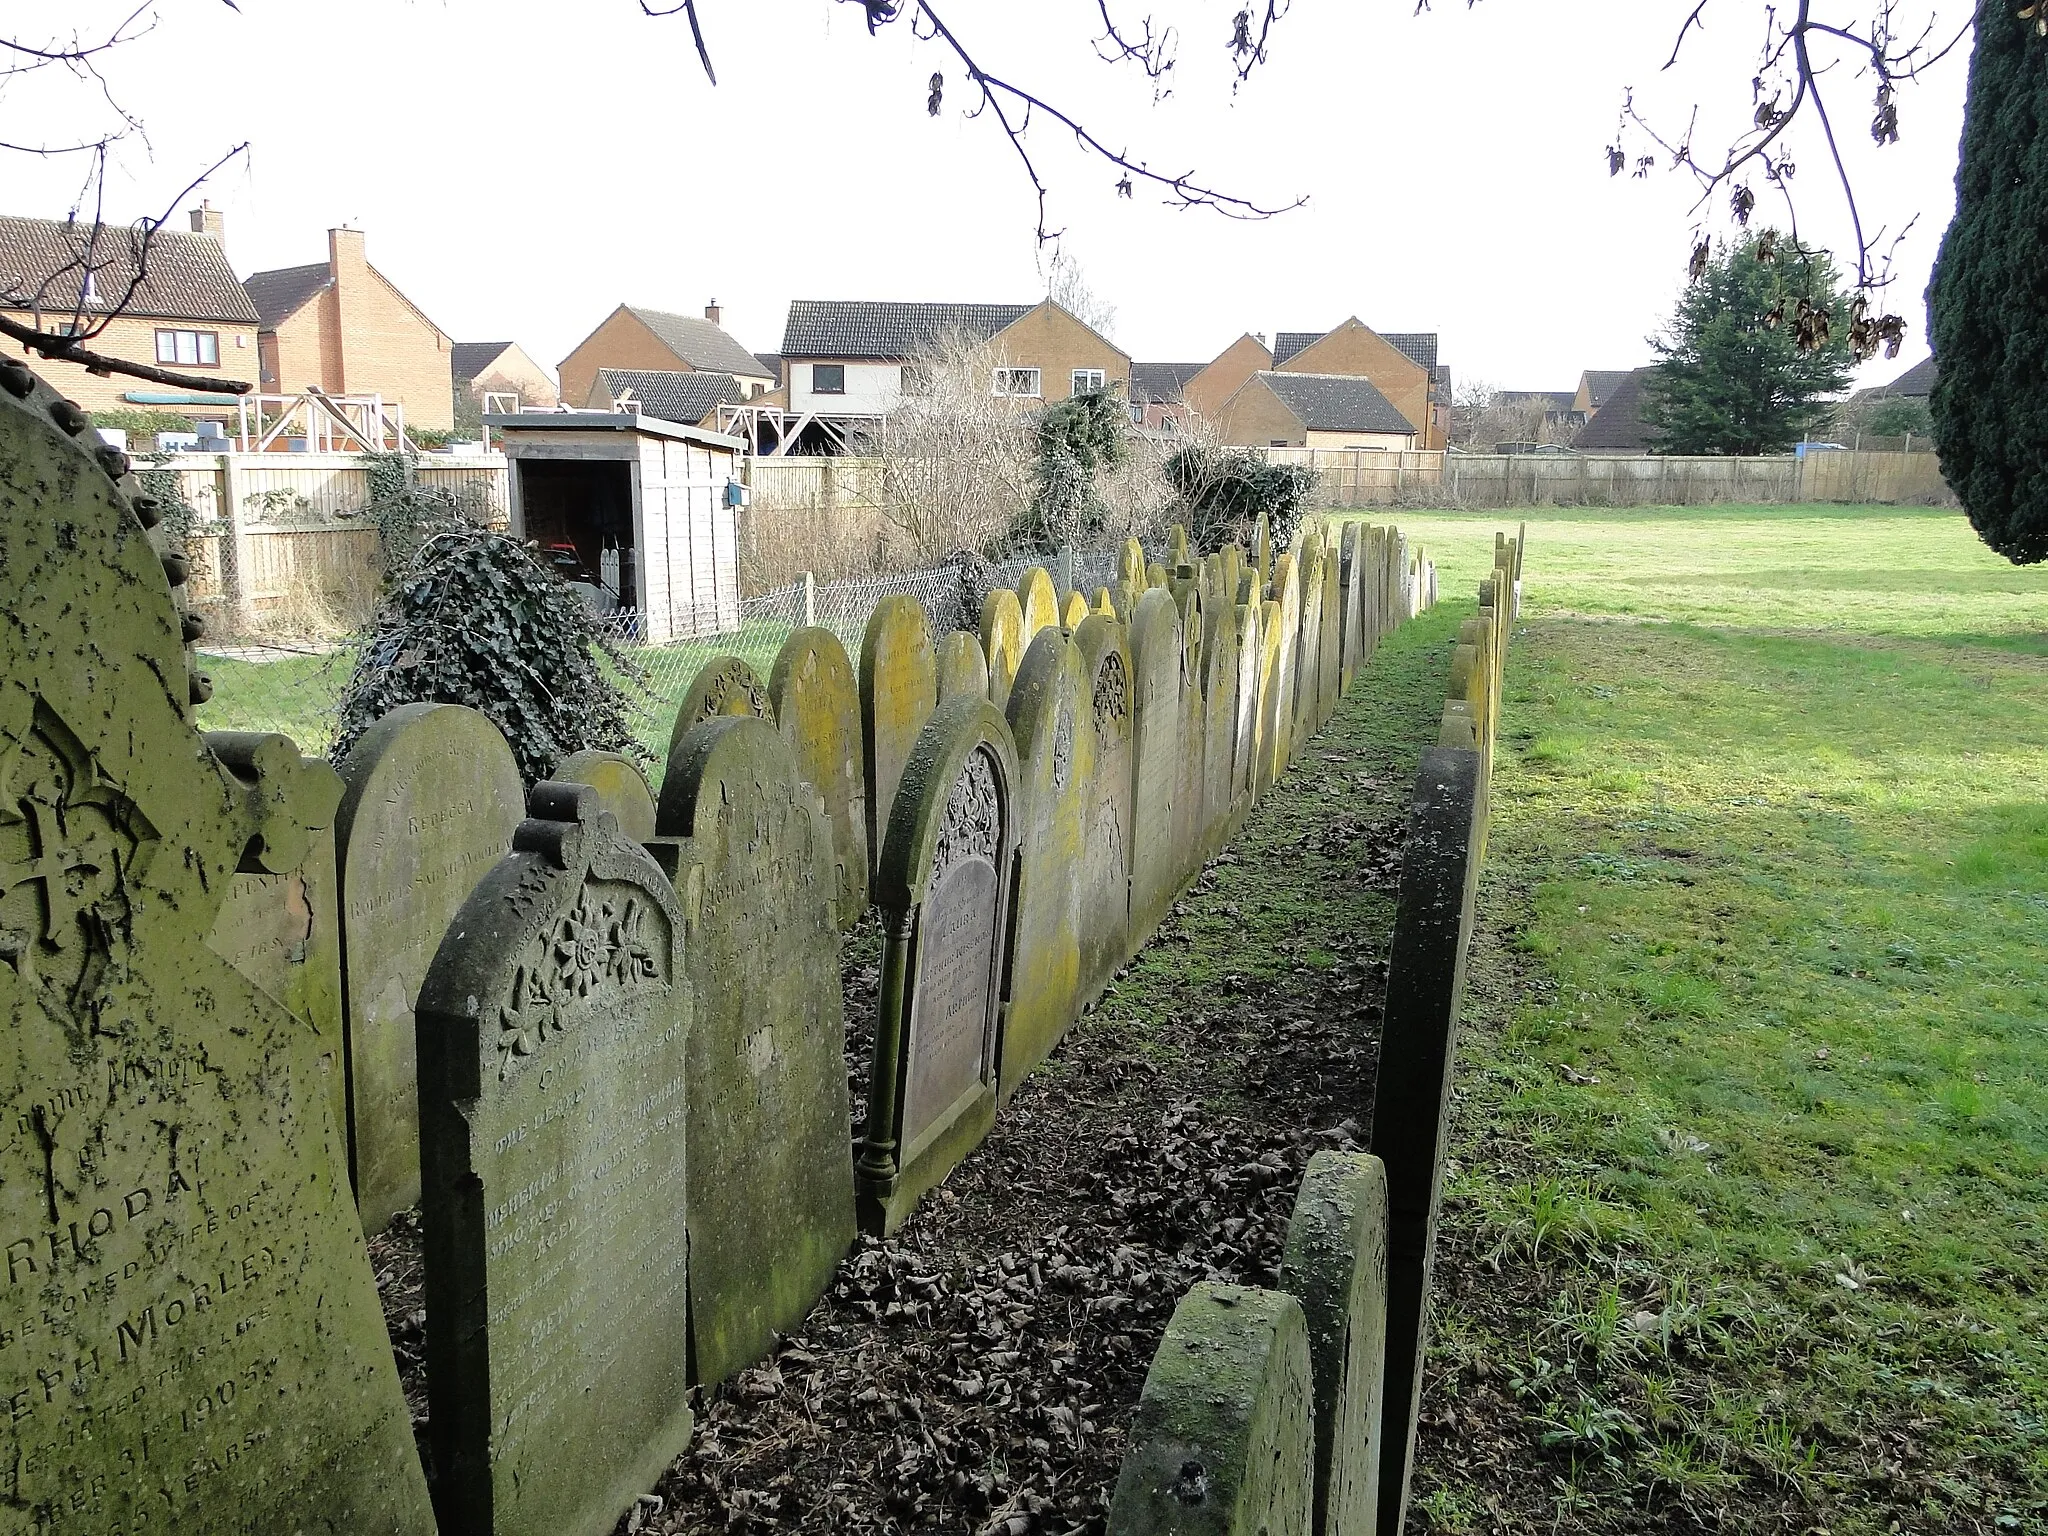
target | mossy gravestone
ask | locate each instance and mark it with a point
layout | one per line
(1330, 645)
(1187, 793)
(1002, 642)
(1038, 602)
(1221, 659)
(1335, 1265)
(1224, 1439)
(191, 1339)
(899, 685)
(771, 1165)
(963, 669)
(1350, 568)
(554, 1028)
(1053, 726)
(1130, 564)
(1308, 655)
(944, 893)
(1073, 610)
(724, 685)
(1157, 759)
(431, 800)
(1272, 752)
(1105, 912)
(621, 788)
(1247, 744)
(817, 709)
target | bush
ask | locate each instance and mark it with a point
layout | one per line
(1223, 491)
(142, 426)
(1078, 438)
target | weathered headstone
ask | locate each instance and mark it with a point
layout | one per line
(554, 1028)
(1156, 761)
(621, 788)
(1073, 610)
(1039, 603)
(1157, 575)
(1123, 599)
(817, 709)
(944, 893)
(724, 685)
(1176, 546)
(1350, 572)
(1106, 851)
(1262, 555)
(1130, 564)
(963, 669)
(1330, 639)
(1335, 1265)
(1249, 745)
(1052, 722)
(432, 797)
(193, 1340)
(1187, 792)
(770, 1162)
(1224, 1439)
(899, 687)
(1308, 682)
(1273, 659)
(1104, 604)
(1222, 658)
(1002, 641)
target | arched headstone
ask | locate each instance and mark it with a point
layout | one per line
(1106, 849)
(1280, 706)
(1157, 760)
(724, 685)
(1002, 642)
(770, 1165)
(1103, 604)
(1223, 1443)
(1335, 1265)
(1221, 660)
(1273, 655)
(1073, 610)
(944, 892)
(899, 686)
(554, 1028)
(817, 709)
(1249, 744)
(1308, 656)
(621, 788)
(1038, 602)
(1187, 791)
(1350, 571)
(963, 669)
(432, 798)
(1053, 725)
(168, 1121)
(1330, 641)
(1130, 564)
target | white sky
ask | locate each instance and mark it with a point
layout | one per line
(521, 166)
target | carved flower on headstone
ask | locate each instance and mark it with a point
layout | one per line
(632, 952)
(527, 1018)
(583, 946)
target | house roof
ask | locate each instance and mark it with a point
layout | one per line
(1419, 347)
(1287, 343)
(1600, 383)
(1549, 399)
(1335, 402)
(280, 292)
(188, 276)
(1917, 382)
(470, 358)
(1161, 383)
(677, 396)
(703, 344)
(772, 361)
(888, 332)
(1618, 425)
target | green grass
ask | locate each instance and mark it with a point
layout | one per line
(1746, 1223)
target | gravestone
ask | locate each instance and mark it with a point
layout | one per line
(432, 797)
(1157, 575)
(1038, 602)
(1105, 913)
(1223, 1443)
(1052, 723)
(1156, 756)
(1262, 555)
(1073, 610)
(192, 1332)
(899, 686)
(1194, 724)
(1123, 599)
(1288, 594)
(963, 669)
(770, 1162)
(554, 1028)
(1273, 656)
(1176, 546)
(1308, 656)
(1349, 570)
(621, 788)
(817, 709)
(1002, 642)
(1249, 744)
(1335, 1265)
(280, 925)
(1104, 604)
(724, 685)
(1330, 642)
(1221, 659)
(944, 893)
(1130, 564)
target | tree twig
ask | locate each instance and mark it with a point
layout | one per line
(65, 349)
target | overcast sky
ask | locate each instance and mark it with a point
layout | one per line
(521, 166)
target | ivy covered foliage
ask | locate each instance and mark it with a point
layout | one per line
(1078, 438)
(1223, 491)
(1988, 304)
(470, 617)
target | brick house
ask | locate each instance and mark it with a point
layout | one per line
(500, 368)
(343, 326)
(189, 313)
(646, 340)
(1402, 366)
(1289, 409)
(1159, 394)
(847, 357)
(1595, 386)
(1225, 374)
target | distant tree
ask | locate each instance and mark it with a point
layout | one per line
(1080, 439)
(1223, 490)
(1897, 417)
(1758, 342)
(1988, 304)
(1068, 287)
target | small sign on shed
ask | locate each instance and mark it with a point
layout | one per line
(635, 512)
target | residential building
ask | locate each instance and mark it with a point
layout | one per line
(688, 399)
(1916, 383)
(656, 341)
(1403, 366)
(1288, 409)
(1595, 385)
(188, 313)
(501, 368)
(1225, 374)
(1159, 394)
(344, 327)
(847, 357)
(1617, 426)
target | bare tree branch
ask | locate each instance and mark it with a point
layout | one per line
(65, 349)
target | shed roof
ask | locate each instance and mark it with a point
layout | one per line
(677, 396)
(1336, 402)
(515, 426)
(187, 276)
(885, 330)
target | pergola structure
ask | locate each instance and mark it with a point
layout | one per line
(773, 431)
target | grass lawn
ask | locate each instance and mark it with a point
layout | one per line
(1745, 1226)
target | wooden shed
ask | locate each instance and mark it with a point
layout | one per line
(640, 513)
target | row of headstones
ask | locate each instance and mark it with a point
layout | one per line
(1293, 1412)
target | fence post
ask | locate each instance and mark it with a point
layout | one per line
(235, 549)
(810, 599)
(1066, 570)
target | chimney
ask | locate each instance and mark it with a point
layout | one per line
(348, 269)
(208, 220)
(711, 311)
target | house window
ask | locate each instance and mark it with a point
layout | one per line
(1090, 381)
(1019, 382)
(1137, 413)
(200, 348)
(828, 378)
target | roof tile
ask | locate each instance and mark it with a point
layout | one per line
(187, 275)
